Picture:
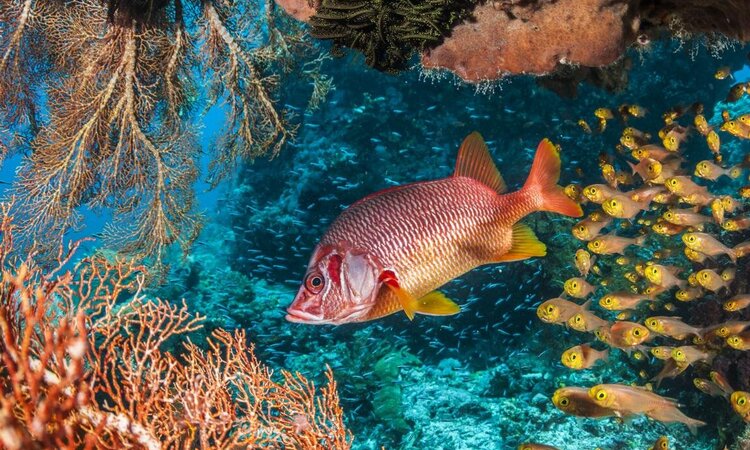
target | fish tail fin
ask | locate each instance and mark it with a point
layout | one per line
(640, 240)
(693, 425)
(545, 172)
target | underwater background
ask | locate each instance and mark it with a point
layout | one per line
(484, 378)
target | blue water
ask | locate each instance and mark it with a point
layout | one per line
(481, 379)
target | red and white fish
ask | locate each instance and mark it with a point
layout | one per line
(390, 250)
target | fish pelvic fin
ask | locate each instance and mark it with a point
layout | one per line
(524, 244)
(474, 161)
(544, 175)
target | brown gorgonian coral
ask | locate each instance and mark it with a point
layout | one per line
(102, 97)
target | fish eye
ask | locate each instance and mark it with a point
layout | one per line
(608, 300)
(550, 309)
(601, 395)
(573, 356)
(581, 228)
(314, 282)
(678, 353)
(636, 332)
(723, 331)
(652, 323)
(597, 243)
(742, 400)
(564, 401)
(691, 238)
(574, 285)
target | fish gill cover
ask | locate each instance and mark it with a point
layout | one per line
(125, 113)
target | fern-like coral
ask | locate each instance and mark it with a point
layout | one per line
(388, 32)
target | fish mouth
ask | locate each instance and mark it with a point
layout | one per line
(297, 316)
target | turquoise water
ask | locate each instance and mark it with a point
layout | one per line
(483, 378)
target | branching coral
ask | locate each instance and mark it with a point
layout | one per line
(82, 370)
(387, 32)
(118, 133)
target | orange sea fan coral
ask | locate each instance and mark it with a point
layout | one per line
(83, 369)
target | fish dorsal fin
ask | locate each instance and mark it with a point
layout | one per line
(474, 161)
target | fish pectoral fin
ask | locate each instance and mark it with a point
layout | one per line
(524, 245)
(437, 304)
(433, 304)
(408, 302)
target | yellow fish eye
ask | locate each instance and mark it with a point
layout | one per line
(564, 401)
(578, 318)
(636, 332)
(730, 305)
(601, 395)
(550, 309)
(581, 228)
(734, 341)
(741, 400)
(691, 238)
(653, 323)
(705, 275)
(597, 244)
(723, 331)
(573, 356)
(678, 354)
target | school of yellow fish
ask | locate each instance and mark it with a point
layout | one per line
(666, 208)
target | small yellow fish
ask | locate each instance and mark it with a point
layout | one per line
(577, 287)
(739, 341)
(586, 321)
(588, 228)
(701, 124)
(597, 193)
(737, 224)
(723, 72)
(662, 443)
(573, 191)
(604, 113)
(626, 400)
(710, 388)
(710, 171)
(714, 144)
(689, 294)
(689, 354)
(667, 229)
(744, 192)
(576, 401)
(558, 310)
(633, 277)
(616, 301)
(726, 329)
(707, 244)
(635, 110)
(674, 138)
(583, 261)
(737, 303)
(610, 174)
(663, 276)
(582, 357)
(711, 280)
(741, 404)
(736, 92)
(683, 186)
(652, 151)
(685, 217)
(623, 334)
(730, 204)
(622, 207)
(584, 126)
(609, 244)
(717, 210)
(736, 128)
(662, 352)
(673, 327)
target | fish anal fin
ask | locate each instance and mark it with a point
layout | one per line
(474, 161)
(524, 245)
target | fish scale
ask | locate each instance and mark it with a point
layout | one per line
(431, 232)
